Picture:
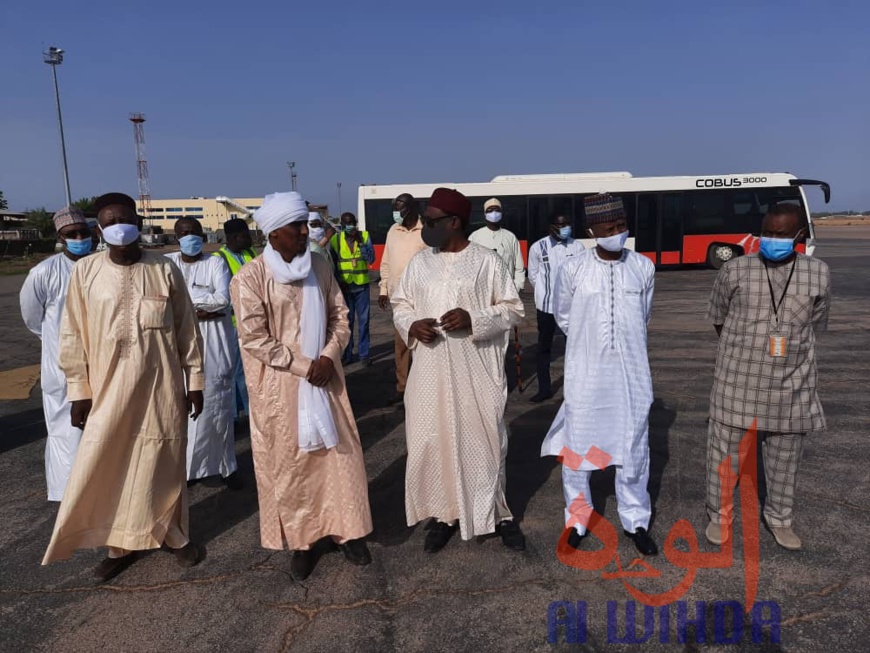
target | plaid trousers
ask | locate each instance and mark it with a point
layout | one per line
(781, 453)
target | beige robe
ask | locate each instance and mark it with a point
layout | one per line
(303, 496)
(456, 392)
(129, 337)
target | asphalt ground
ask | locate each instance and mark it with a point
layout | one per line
(478, 595)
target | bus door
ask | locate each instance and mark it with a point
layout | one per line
(659, 228)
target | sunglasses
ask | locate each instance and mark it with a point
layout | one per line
(431, 222)
(77, 234)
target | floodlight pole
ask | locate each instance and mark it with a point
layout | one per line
(54, 57)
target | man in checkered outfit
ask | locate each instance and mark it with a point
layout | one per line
(766, 308)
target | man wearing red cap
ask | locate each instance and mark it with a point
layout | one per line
(454, 308)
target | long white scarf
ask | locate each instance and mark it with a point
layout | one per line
(316, 424)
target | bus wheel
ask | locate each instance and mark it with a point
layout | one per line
(720, 253)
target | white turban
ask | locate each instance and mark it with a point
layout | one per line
(314, 215)
(280, 209)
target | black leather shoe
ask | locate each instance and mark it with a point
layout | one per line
(111, 567)
(234, 482)
(541, 396)
(438, 536)
(511, 535)
(575, 539)
(643, 542)
(357, 552)
(190, 555)
(302, 564)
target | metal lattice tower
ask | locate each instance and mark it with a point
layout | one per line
(138, 120)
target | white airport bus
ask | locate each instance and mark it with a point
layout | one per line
(672, 220)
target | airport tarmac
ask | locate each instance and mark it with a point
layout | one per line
(477, 595)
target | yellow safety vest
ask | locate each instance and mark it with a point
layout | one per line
(352, 267)
(248, 255)
(233, 263)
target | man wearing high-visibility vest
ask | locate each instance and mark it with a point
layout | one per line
(237, 251)
(355, 254)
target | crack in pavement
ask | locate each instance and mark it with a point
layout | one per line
(821, 497)
(809, 616)
(148, 588)
(310, 614)
(830, 589)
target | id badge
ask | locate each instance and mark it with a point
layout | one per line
(778, 346)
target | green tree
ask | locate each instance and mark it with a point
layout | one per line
(3, 203)
(41, 220)
(86, 204)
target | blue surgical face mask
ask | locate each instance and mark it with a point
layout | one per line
(397, 217)
(349, 228)
(564, 233)
(191, 245)
(776, 249)
(79, 247)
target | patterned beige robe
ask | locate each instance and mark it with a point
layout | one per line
(303, 496)
(457, 389)
(129, 337)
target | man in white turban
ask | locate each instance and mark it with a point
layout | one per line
(292, 325)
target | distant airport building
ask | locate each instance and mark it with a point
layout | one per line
(212, 212)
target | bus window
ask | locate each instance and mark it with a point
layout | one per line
(379, 219)
(671, 243)
(706, 213)
(514, 211)
(647, 222)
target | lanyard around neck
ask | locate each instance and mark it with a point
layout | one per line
(774, 304)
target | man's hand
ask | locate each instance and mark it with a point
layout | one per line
(455, 320)
(194, 403)
(79, 411)
(321, 371)
(424, 330)
(205, 315)
(383, 302)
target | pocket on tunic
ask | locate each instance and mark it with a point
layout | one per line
(154, 313)
(798, 309)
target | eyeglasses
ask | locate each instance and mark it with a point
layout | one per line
(431, 222)
(77, 234)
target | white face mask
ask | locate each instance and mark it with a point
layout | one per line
(493, 216)
(316, 233)
(397, 217)
(613, 243)
(120, 235)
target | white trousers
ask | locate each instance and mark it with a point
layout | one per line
(632, 498)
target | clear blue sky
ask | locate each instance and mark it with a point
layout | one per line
(390, 92)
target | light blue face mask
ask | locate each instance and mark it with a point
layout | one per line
(564, 233)
(191, 245)
(79, 247)
(776, 249)
(349, 228)
(397, 217)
